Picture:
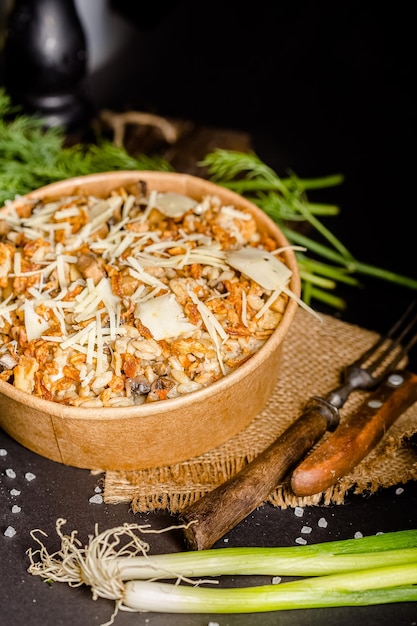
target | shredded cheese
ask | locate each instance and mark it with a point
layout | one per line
(214, 328)
(159, 288)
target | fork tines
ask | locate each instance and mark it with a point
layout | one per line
(390, 349)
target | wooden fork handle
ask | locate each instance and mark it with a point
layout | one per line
(356, 436)
(211, 517)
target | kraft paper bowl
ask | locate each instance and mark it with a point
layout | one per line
(167, 431)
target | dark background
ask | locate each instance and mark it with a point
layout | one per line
(321, 87)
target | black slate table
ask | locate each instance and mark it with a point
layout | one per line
(56, 491)
(321, 88)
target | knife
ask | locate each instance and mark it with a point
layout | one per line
(356, 435)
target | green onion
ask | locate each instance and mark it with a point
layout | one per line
(369, 587)
(259, 561)
(302, 560)
(116, 565)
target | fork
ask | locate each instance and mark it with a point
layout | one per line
(212, 516)
(382, 357)
(360, 432)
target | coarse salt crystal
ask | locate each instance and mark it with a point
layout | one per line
(10, 531)
(16, 508)
(399, 491)
(276, 580)
(97, 499)
(306, 530)
(10, 473)
(15, 492)
(213, 624)
(358, 535)
(29, 476)
(301, 540)
(298, 511)
(3, 452)
(97, 489)
(322, 523)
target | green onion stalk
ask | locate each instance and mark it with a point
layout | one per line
(370, 587)
(116, 564)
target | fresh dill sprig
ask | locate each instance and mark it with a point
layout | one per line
(31, 157)
(326, 262)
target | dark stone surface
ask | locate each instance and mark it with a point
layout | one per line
(60, 491)
(321, 87)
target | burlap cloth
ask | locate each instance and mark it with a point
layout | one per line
(314, 355)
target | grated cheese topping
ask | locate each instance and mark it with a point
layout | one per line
(129, 299)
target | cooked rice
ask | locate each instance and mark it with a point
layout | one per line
(131, 298)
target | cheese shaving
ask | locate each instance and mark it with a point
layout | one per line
(260, 265)
(164, 317)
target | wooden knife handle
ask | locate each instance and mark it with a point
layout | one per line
(356, 436)
(220, 510)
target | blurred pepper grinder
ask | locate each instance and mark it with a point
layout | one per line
(45, 62)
